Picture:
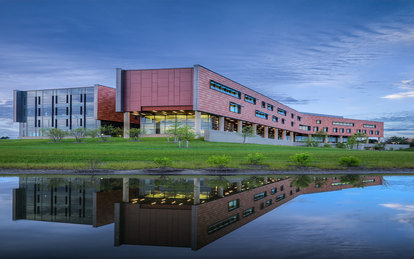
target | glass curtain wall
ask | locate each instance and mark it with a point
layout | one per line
(159, 124)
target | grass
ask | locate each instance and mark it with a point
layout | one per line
(120, 154)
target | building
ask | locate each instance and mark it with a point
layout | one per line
(205, 100)
(66, 108)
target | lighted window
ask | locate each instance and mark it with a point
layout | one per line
(234, 204)
(234, 107)
(225, 89)
(249, 99)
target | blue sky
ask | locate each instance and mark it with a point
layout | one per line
(349, 58)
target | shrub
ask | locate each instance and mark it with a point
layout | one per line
(301, 159)
(311, 143)
(379, 146)
(327, 145)
(255, 158)
(78, 134)
(340, 145)
(135, 133)
(54, 134)
(219, 161)
(162, 162)
(349, 161)
(93, 133)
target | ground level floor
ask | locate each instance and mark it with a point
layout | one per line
(159, 122)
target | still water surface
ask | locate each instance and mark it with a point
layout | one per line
(183, 217)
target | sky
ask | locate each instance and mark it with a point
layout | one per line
(349, 58)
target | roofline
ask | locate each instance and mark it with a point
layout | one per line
(169, 68)
(48, 89)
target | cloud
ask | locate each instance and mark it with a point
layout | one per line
(407, 85)
(407, 215)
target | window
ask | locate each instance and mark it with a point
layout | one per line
(370, 126)
(274, 190)
(80, 122)
(341, 130)
(359, 131)
(282, 188)
(81, 97)
(222, 224)
(281, 111)
(348, 130)
(225, 89)
(259, 196)
(38, 100)
(270, 107)
(371, 132)
(280, 197)
(261, 114)
(38, 112)
(249, 99)
(305, 127)
(291, 192)
(364, 131)
(263, 104)
(325, 129)
(67, 111)
(335, 130)
(377, 132)
(341, 123)
(299, 118)
(318, 121)
(268, 203)
(292, 123)
(67, 98)
(38, 123)
(283, 121)
(315, 129)
(248, 212)
(234, 204)
(80, 110)
(275, 118)
(234, 107)
(67, 123)
(292, 116)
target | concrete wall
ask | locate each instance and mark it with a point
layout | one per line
(233, 137)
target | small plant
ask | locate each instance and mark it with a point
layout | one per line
(219, 161)
(185, 133)
(93, 133)
(255, 158)
(247, 131)
(162, 162)
(326, 145)
(349, 161)
(312, 143)
(54, 134)
(78, 134)
(340, 145)
(301, 159)
(135, 133)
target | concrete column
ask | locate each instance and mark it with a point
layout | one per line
(127, 124)
(266, 132)
(239, 126)
(367, 140)
(292, 137)
(197, 123)
(196, 191)
(254, 128)
(125, 189)
(220, 192)
(283, 134)
(239, 186)
(309, 137)
(276, 133)
(325, 140)
(221, 123)
(340, 139)
(379, 139)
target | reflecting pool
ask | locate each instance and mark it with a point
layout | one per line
(305, 216)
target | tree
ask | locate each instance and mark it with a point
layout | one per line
(135, 133)
(320, 136)
(357, 138)
(93, 133)
(247, 131)
(173, 129)
(78, 134)
(105, 131)
(301, 181)
(354, 179)
(54, 134)
(185, 133)
(4, 137)
(397, 140)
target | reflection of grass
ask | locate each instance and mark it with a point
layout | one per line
(120, 154)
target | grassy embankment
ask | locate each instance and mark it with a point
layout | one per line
(121, 154)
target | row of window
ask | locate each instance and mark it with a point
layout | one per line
(55, 98)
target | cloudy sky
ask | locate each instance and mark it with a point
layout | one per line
(349, 58)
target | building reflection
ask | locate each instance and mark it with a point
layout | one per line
(167, 211)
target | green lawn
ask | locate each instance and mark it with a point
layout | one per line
(122, 154)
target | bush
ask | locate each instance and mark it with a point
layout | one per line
(340, 145)
(312, 143)
(162, 162)
(255, 158)
(301, 159)
(326, 145)
(78, 134)
(349, 161)
(135, 133)
(219, 161)
(54, 134)
(93, 133)
(379, 146)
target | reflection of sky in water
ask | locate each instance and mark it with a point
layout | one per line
(371, 222)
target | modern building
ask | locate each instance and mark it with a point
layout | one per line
(67, 109)
(205, 100)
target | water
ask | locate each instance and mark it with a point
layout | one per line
(207, 216)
